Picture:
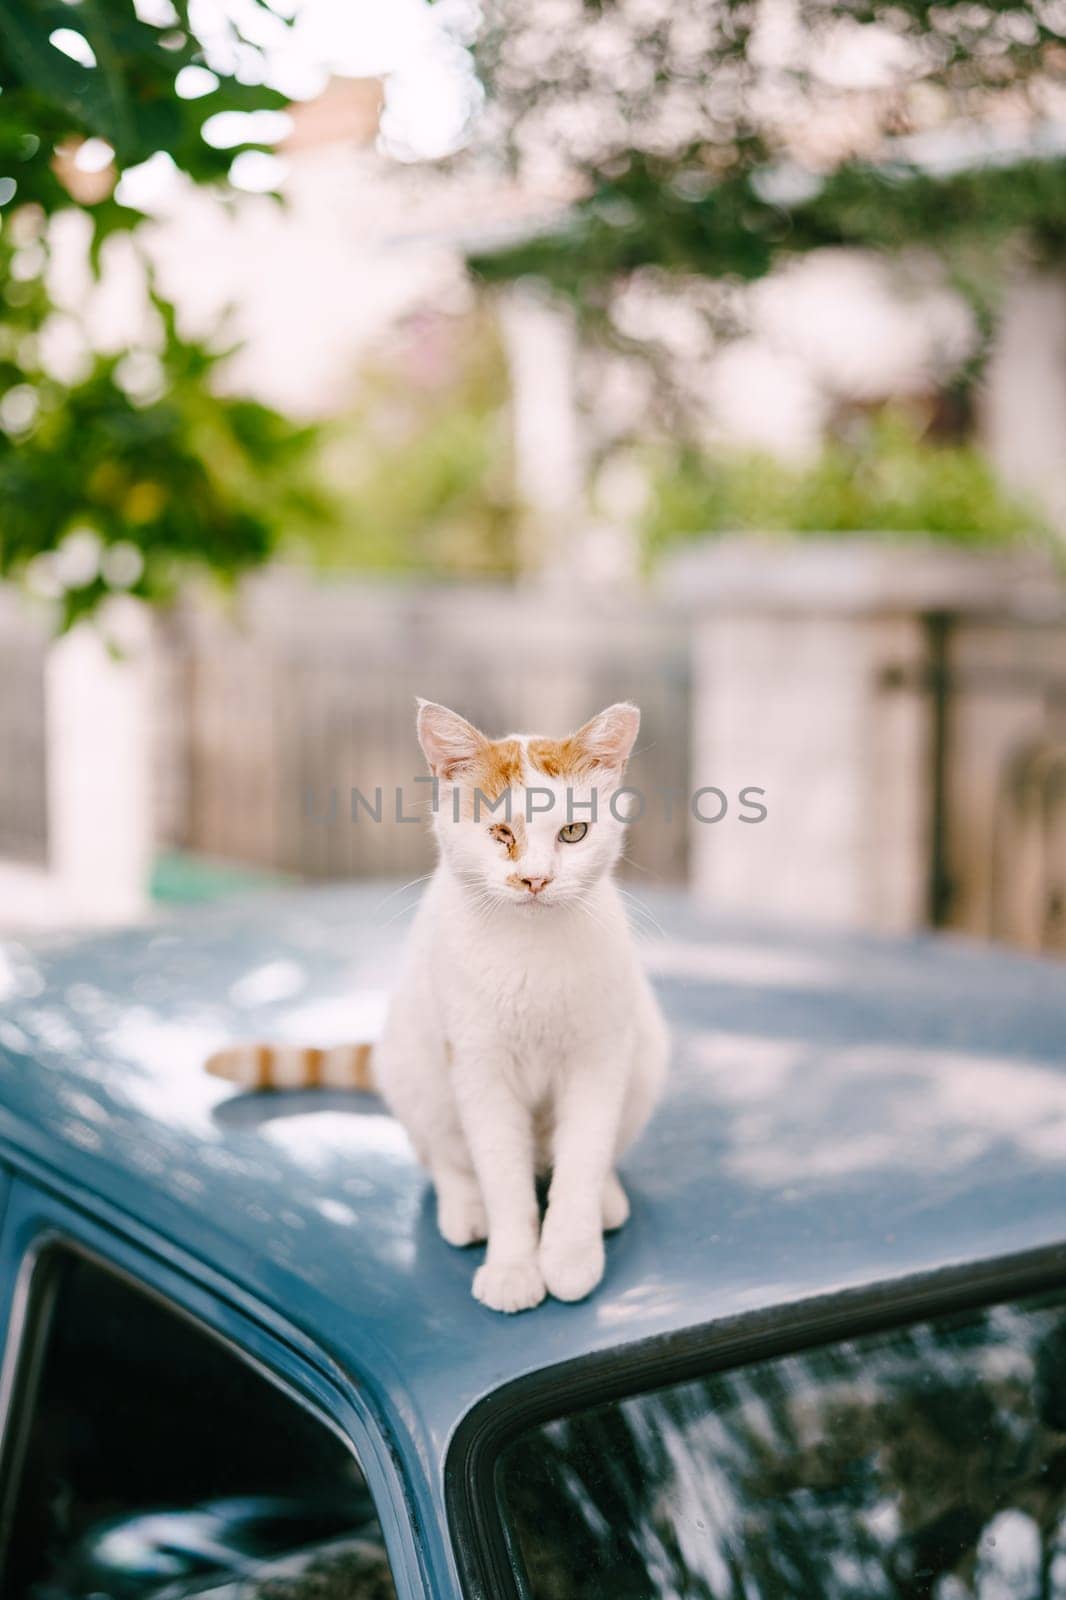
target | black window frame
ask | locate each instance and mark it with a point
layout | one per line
(480, 1537)
(25, 1343)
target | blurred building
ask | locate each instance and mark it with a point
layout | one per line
(310, 287)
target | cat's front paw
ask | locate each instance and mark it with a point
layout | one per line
(572, 1267)
(509, 1285)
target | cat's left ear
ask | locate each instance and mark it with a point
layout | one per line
(609, 737)
(448, 741)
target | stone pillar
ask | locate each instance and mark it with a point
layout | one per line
(98, 760)
(1023, 407)
(541, 344)
(811, 681)
(795, 705)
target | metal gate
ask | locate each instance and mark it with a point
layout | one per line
(997, 776)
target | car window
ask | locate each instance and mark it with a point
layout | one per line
(925, 1462)
(144, 1460)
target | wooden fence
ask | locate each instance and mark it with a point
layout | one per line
(276, 720)
(268, 722)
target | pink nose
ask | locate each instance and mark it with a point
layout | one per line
(535, 885)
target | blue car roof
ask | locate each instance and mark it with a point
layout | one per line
(842, 1111)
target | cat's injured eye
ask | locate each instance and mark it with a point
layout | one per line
(572, 832)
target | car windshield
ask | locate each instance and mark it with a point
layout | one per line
(925, 1462)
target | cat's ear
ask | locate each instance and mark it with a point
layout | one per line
(609, 737)
(448, 741)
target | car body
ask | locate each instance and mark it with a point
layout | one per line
(857, 1132)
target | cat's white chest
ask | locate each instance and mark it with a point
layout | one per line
(526, 992)
(539, 998)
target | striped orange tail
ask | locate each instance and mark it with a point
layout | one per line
(294, 1066)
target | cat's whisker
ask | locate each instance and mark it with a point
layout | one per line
(641, 910)
(636, 865)
(423, 878)
(483, 902)
(592, 915)
(403, 908)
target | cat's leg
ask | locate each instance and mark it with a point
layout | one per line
(615, 1207)
(426, 1107)
(615, 1200)
(411, 1061)
(588, 1112)
(499, 1133)
(461, 1215)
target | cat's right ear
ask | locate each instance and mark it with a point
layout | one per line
(448, 741)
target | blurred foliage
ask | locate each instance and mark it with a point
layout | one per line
(122, 91)
(695, 142)
(105, 491)
(135, 458)
(883, 479)
(423, 468)
(650, 216)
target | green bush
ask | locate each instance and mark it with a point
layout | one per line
(885, 481)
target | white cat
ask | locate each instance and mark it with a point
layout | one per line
(523, 1036)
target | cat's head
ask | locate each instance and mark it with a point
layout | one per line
(526, 820)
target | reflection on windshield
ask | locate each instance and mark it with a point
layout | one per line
(924, 1464)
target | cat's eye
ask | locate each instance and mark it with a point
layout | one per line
(572, 832)
(502, 832)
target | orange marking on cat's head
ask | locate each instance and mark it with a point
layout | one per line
(498, 767)
(560, 758)
(602, 744)
(458, 752)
